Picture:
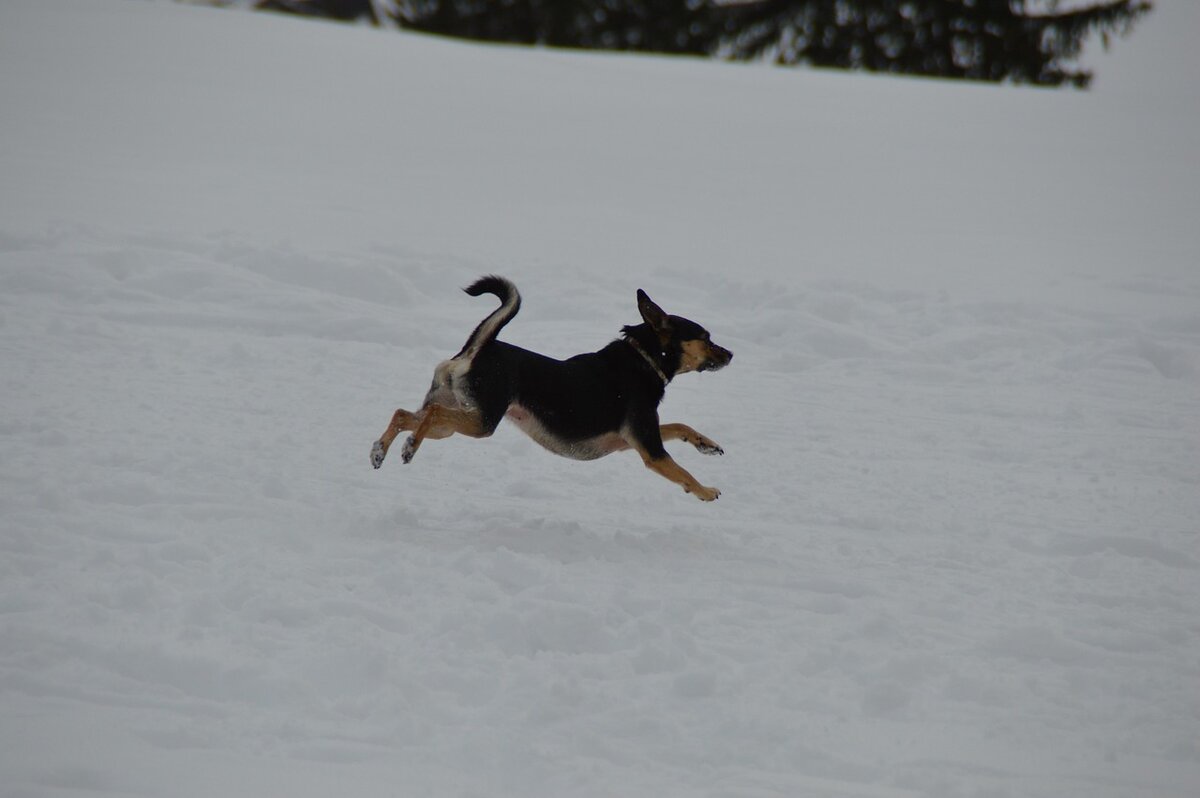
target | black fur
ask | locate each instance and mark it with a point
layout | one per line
(575, 399)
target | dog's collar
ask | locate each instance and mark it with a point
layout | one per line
(649, 360)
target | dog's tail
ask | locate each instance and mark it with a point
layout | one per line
(489, 328)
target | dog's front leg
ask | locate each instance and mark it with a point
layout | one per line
(644, 436)
(682, 432)
(667, 467)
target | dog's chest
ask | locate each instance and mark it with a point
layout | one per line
(586, 449)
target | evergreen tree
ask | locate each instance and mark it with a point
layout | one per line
(995, 40)
(1022, 41)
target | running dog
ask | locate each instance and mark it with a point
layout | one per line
(584, 407)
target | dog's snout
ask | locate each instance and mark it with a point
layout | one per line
(718, 357)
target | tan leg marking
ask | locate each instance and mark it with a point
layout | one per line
(401, 420)
(432, 421)
(682, 432)
(439, 421)
(666, 467)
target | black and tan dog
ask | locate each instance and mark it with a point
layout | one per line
(584, 407)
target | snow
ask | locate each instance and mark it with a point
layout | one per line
(956, 549)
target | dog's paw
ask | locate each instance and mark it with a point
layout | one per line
(709, 447)
(377, 454)
(410, 450)
(707, 494)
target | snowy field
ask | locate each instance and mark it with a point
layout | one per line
(956, 552)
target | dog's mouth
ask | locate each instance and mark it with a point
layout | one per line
(718, 359)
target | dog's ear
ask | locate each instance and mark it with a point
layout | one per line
(655, 316)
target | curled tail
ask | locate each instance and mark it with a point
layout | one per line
(489, 328)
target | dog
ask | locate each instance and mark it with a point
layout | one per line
(584, 407)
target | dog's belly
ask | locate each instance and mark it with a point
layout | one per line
(586, 449)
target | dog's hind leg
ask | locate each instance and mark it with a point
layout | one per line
(438, 421)
(682, 432)
(402, 421)
(431, 421)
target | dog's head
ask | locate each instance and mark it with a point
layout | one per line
(685, 345)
